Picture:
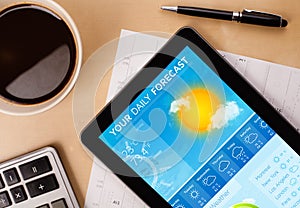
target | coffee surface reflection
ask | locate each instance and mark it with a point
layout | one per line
(37, 54)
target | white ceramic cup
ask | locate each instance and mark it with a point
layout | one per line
(14, 108)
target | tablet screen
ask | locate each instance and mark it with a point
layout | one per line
(198, 144)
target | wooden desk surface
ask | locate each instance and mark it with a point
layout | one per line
(101, 21)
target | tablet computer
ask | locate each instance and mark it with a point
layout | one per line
(189, 131)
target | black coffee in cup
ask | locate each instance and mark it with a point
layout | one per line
(37, 54)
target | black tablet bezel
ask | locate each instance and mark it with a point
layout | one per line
(184, 37)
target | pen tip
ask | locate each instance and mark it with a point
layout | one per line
(284, 23)
(169, 8)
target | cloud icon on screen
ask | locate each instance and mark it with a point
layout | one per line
(251, 138)
(208, 181)
(225, 113)
(223, 165)
(237, 152)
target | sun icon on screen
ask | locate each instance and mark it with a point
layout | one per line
(196, 108)
(194, 194)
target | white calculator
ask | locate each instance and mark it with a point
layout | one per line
(36, 180)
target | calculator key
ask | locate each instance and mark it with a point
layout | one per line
(4, 200)
(1, 183)
(11, 176)
(44, 206)
(61, 203)
(18, 194)
(42, 185)
(35, 168)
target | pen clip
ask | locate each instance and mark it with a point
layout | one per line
(262, 18)
(267, 14)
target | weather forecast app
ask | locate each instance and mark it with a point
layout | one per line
(194, 141)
